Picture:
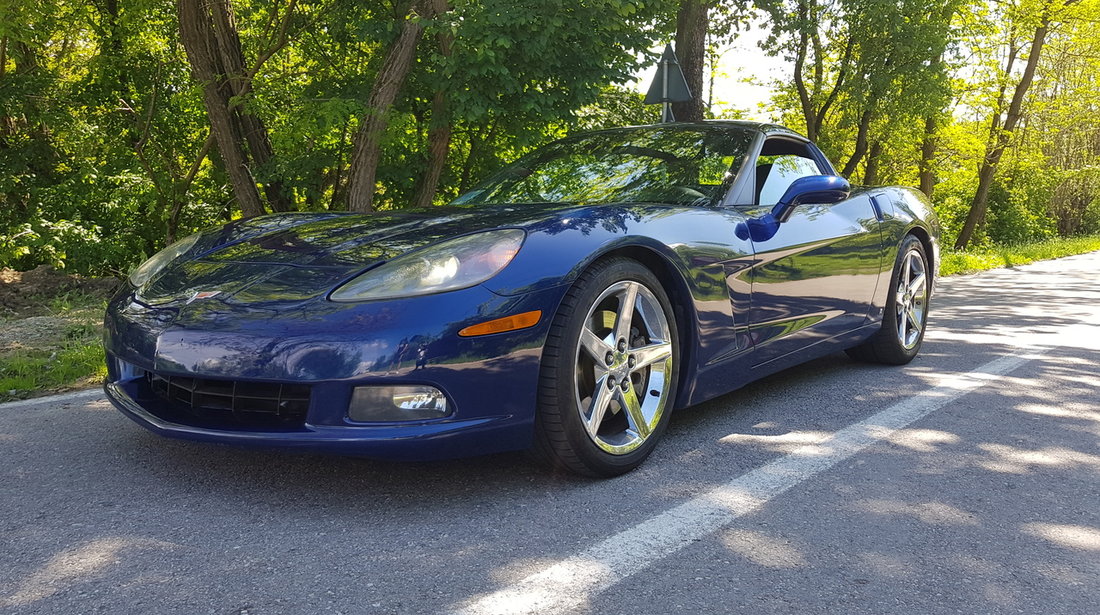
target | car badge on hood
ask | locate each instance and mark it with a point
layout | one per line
(204, 294)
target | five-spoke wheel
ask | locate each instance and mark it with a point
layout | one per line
(623, 363)
(609, 371)
(911, 300)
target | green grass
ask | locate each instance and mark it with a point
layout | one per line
(955, 263)
(59, 352)
(76, 365)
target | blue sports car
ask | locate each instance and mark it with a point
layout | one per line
(567, 305)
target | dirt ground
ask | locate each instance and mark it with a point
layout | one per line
(25, 294)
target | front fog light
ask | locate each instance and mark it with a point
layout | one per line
(397, 403)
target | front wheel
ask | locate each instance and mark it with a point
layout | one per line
(906, 313)
(609, 371)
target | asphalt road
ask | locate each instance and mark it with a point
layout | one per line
(966, 482)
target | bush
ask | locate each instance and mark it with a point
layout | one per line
(1019, 205)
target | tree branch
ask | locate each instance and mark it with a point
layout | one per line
(204, 151)
(280, 41)
(841, 74)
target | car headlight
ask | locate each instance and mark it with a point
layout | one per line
(451, 265)
(160, 260)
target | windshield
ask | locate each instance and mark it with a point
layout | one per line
(655, 164)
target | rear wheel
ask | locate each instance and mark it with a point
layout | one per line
(906, 313)
(609, 371)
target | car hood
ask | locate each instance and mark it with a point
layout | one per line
(298, 257)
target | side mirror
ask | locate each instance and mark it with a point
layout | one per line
(811, 189)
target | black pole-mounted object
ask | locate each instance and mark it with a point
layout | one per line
(669, 85)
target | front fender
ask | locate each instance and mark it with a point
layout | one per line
(698, 247)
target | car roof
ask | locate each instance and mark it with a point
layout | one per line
(762, 127)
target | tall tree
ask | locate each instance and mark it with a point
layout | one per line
(692, 22)
(702, 26)
(208, 31)
(367, 144)
(897, 52)
(862, 70)
(1004, 122)
(822, 65)
(202, 45)
(439, 134)
(927, 176)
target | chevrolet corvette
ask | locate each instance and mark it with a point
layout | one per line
(567, 306)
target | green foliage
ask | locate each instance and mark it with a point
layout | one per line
(1019, 210)
(1010, 255)
(952, 203)
(614, 107)
(102, 126)
(101, 121)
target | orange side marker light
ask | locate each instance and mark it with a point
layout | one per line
(500, 325)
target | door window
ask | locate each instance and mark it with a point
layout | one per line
(774, 174)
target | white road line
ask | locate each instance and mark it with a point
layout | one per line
(52, 399)
(572, 582)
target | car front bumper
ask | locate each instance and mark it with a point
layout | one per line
(490, 382)
(419, 442)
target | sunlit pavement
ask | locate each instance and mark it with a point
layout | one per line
(986, 501)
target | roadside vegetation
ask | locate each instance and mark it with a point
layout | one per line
(51, 328)
(125, 125)
(997, 256)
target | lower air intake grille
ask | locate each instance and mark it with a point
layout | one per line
(233, 402)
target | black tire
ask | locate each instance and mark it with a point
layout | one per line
(564, 419)
(887, 345)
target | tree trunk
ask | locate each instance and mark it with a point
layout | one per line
(24, 57)
(180, 186)
(691, 41)
(468, 165)
(367, 143)
(200, 42)
(799, 78)
(478, 139)
(818, 120)
(439, 146)
(870, 172)
(439, 135)
(812, 114)
(861, 144)
(927, 156)
(1003, 135)
(237, 77)
(114, 48)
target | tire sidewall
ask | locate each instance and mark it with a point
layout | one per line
(571, 321)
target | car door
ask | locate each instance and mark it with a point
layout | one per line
(815, 278)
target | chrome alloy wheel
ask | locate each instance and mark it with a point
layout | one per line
(911, 301)
(624, 360)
